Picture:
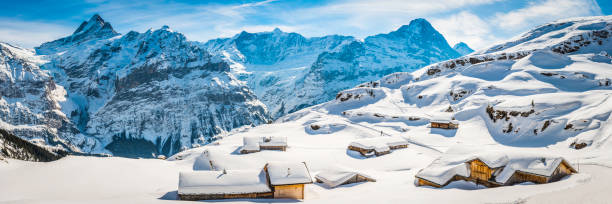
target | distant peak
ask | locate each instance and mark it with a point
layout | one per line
(94, 24)
(463, 48)
(96, 18)
(416, 24)
(277, 30)
(165, 27)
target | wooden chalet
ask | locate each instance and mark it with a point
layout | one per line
(444, 124)
(334, 178)
(230, 184)
(276, 180)
(287, 179)
(377, 145)
(256, 144)
(501, 171)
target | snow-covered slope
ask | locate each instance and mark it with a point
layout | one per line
(289, 72)
(13, 147)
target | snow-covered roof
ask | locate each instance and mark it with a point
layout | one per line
(285, 173)
(218, 182)
(544, 166)
(273, 141)
(444, 168)
(250, 143)
(335, 177)
(444, 121)
(254, 143)
(493, 159)
(378, 143)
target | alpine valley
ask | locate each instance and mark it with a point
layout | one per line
(157, 93)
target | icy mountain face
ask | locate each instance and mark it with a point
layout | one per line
(548, 87)
(462, 48)
(289, 72)
(135, 95)
(30, 101)
(410, 47)
(151, 93)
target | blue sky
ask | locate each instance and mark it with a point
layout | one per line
(476, 22)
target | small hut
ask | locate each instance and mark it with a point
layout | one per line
(336, 177)
(496, 170)
(287, 179)
(444, 124)
(377, 145)
(230, 184)
(256, 144)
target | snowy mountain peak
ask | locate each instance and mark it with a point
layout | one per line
(463, 48)
(277, 30)
(93, 29)
(418, 25)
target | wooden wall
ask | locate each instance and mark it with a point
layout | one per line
(294, 191)
(480, 171)
(224, 196)
(423, 182)
(444, 125)
(281, 148)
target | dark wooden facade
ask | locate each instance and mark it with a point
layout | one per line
(482, 174)
(444, 125)
(194, 197)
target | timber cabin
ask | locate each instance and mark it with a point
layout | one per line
(256, 144)
(444, 124)
(275, 180)
(496, 171)
(377, 145)
(334, 178)
(287, 179)
(230, 184)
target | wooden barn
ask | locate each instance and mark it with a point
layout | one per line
(256, 144)
(334, 178)
(230, 184)
(445, 124)
(497, 171)
(287, 179)
(377, 145)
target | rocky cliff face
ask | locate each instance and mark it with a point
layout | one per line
(136, 95)
(289, 72)
(30, 101)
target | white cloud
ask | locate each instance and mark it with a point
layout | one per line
(29, 34)
(466, 27)
(543, 12)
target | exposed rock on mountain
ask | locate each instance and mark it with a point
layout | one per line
(289, 72)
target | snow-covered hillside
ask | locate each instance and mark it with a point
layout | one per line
(289, 72)
(536, 96)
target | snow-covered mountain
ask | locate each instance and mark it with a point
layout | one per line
(462, 48)
(30, 101)
(136, 94)
(289, 72)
